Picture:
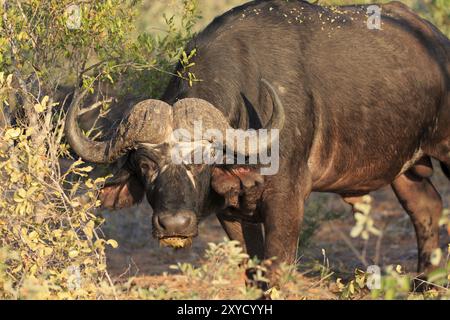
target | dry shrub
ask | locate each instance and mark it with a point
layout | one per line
(50, 247)
(50, 244)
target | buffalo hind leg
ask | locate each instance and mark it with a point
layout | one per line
(423, 203)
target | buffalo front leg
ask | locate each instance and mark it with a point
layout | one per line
(424, 205)
(250, 235)
(283, 215)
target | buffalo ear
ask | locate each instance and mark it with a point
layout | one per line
(122, 193)
(227, 185)
(241, 187)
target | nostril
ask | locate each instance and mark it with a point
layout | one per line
(174, 224)
(184, 221)
(157, 222)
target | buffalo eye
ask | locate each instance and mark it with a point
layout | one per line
(148, 169)
(145, 167)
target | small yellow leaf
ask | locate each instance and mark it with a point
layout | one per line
(339, 284)
(273, 293)
(75, 204)
(351, 287)
(101, 267)
(113, 243)
(436, 257)
(89, 183)
(20, 195)
(9, 80)
(33, 235)
(39, 108)
(86, 169)
(17, 269)
(44, 101)
(73, 253)
(98, 244)
(88, 229)
(33, 269)
(367, 199)
(13, 133)
(363, 208)
(47, 251)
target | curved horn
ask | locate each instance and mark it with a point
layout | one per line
(87, 149)
(278, 116)
(148, 121)
(189, 110)
(276, 121)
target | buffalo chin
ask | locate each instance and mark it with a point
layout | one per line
(175, 242)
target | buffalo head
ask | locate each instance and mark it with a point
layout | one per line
(180, 193)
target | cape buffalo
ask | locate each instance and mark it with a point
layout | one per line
(357, 109)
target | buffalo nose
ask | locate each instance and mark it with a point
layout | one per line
(174, 224)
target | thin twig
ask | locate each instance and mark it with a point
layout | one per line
(349, 243)
(94, 106)
(379, 242)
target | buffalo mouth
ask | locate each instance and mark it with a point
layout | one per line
(175, 242)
